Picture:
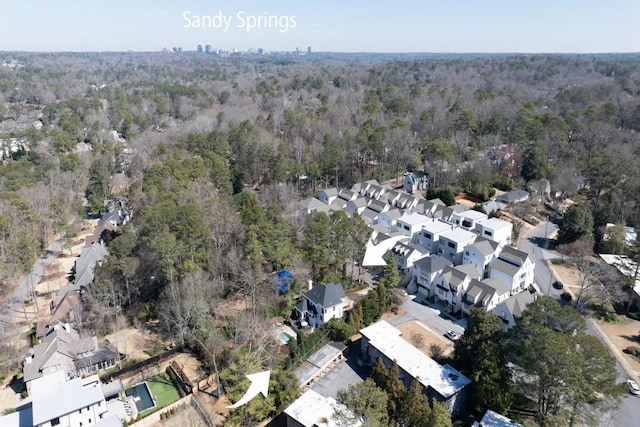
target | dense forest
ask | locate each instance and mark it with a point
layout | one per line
(216, 153)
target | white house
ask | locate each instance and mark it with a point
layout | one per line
(356, 206)
(374, 191)
(413, 181)
(78, 402)
(328, 195)
(497, 230)
(425, 272)
(321, 303)
(391, 197)
(389, 218)
(451, 244)
(480, 253)
(511, 309)
(406, 254)
(514, 267)
(311, 205)
(469, 220)
(452, 283)
(485, 294)
(408, 202)
(430, 233)
(314, 410)
(410, 225)
(347, 195)
(439, 382)
(63, 350)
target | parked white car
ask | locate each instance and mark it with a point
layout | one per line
(633, 387)
(453, 336)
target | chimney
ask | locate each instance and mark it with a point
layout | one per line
(28, 358)
(310, 282)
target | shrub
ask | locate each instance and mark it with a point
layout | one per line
(633, 350)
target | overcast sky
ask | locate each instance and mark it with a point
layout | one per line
(325, 25)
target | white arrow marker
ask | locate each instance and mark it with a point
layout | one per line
(259, 384)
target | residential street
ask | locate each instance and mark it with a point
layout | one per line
(12, 310)
(534, 243)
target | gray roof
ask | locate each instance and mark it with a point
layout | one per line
(469, 270)
(369, 216)
(85, 264)
(485, 246)
(360, 202)
(433, 263)
(58, 341)
(459, 208)
(377, 205)
(518, 302)
(330, 192)
(392, 196)
(513, 255)
(112, 388)
(443, 212)
(513, 196)
(77, 393)
(311, 203)
(493, 205)
(326, 295)
(504, 266)
(498, 284)
(346, 194)
(393, 213)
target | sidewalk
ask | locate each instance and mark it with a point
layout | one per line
(631, 373)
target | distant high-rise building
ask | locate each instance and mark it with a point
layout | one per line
(308, 50)
(297, 51)
(199, 48)
(208, 49)
(260, 51)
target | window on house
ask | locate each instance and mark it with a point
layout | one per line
(466, 253)
(428, 236)
(406, 227)
(466, 224)
(522, 275)
(80, 423)
(55, 422)
(488, 233)
(451, 245)
(89, 420)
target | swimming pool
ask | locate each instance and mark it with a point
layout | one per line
(141, 395)
(285, 337)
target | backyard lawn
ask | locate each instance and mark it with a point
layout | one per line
(163, 392)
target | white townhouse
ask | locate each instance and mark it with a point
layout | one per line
(514, 267)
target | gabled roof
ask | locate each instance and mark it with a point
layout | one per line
(60, 340)
(377, 205)
(311, 203)
(513, 255)
(516, 304)
(443, 212)
(346, 194)
(330, 192)
(484, 246)
(513, 196)
(505, 267)
(484, 291)
(432, 263)
(454, 277)
(468, 270)
(393, 213)
(326, 295)
(407, 249)
(493, 419)
(392, 195)
(360, 202)
(369, 216)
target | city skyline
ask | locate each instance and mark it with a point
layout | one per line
(374, 26)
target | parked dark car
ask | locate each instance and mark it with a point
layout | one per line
(558, 285)
(566, 296)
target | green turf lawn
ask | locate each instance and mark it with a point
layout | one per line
(162, 391)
